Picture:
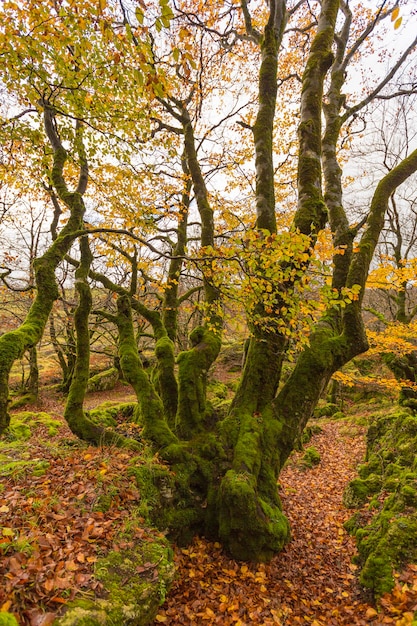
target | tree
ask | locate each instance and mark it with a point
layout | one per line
(391, 297)
(117, 88)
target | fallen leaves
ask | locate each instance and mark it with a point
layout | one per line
(51, 528)
(312, 582)
(51, 534)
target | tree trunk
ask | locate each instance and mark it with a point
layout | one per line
(32, 383)
(150, 404)
(251, 523)
(13, 344)
(74, 414)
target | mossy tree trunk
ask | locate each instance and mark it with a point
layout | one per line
(13, 344)
(65, 353)
(262, 428)
(151, 407)
(206, 340)
(32, 383)
(404, 368)
(251, 523)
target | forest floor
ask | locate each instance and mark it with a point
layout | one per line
(313, 581)
(52, 533)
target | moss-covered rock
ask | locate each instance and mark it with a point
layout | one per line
(21, 424)
(326, 410)
(389, 539)
(309, 431)
(358, 490)
(135, 583)
(110, 413)
(310, 457)
(384, 546)
(231, 356)
(103, 381)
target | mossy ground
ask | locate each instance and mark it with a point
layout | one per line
(16, 457)
(63, 501)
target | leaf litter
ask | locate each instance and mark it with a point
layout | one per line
(54, 526)
(313, 581)
(52, 534)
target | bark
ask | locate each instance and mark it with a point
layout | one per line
(32, 383)
(165, 381)
(170, 315)
(404, 368)
(66, 355)
(206, 341)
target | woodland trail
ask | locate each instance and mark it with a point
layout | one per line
(313, 581)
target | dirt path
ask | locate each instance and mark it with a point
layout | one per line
(311, 582)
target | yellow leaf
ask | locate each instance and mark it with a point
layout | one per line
(398, 23)
(370, 613)
(395, 13)
(244, 569)
(161, 618)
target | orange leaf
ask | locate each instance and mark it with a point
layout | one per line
(395, 13)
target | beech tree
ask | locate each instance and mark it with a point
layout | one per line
(100, 92)
(391, 298)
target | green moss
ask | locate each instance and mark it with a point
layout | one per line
(309, 431)
(193, 366)
(251, 528)
(409, 495)
(384, 546)
(327, 410)
(37, 467)
(22, 424)
(311, 457)
(217, 390)
(103, 381)
(135, 584)
(389, 540)
(7, 619)
(164, 378)
(28, 398)
(20, 431)
(111, 413)
(358, 490)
